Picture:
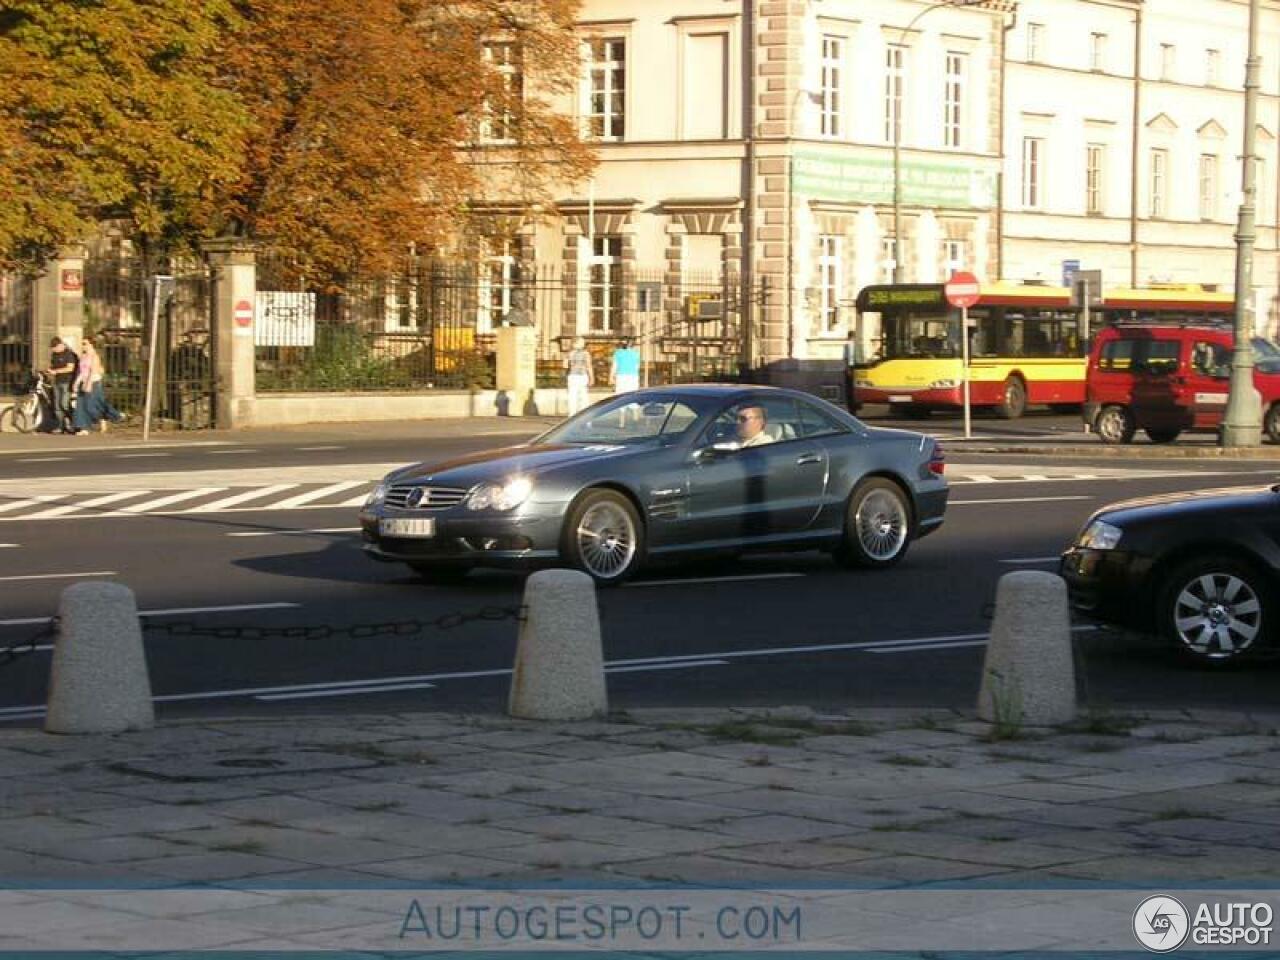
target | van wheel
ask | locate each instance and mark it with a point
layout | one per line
(1162, 436)
(1013, 401)
(1271, 423)
(1115, 425)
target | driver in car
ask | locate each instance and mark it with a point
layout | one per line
(751, 424)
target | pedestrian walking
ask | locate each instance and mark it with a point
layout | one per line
(92, 405)
(625, 375)
(580, 376)
(62, 368)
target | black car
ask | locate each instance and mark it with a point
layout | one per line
(1201, 570)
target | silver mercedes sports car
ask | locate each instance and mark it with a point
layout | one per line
(667, 472)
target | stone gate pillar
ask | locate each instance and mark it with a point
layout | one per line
(234, 292)
(57, 303)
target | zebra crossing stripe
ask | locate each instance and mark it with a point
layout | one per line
(171, 498)
(355, 501)
(31, 501)
(309, 496)
(239, 498)
(85, 504)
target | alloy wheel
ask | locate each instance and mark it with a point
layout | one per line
(1217, 615)
(881, 524)
(606, 539)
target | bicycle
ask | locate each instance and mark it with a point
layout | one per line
(25, 414)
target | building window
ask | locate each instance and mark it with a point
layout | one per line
(832, 85)
(401, 303)
(1208, 186)
(705, 86)
(497, 284)
(830, 251)
(1168, 60)
(955, 256)
(953, 101)
(607, 108)
(1212, 67)
(894, 88)
(889, 258)
(1159, 186)
(1094, 178)
(501, 115)
(604, 304)
(1032, 172)
(1098, 52)
(1035, 42)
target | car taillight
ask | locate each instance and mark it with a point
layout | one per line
(938, 460)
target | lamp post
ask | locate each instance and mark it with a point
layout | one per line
(1242, 424)
(895, 125)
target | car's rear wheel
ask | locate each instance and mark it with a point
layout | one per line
(1115, 424)
(1215, 609)
(603, 537)
(1163, 436)
(442, 572)
(1271, 423)
(877, 525)
(1013, 402)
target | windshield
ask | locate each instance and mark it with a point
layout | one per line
(928, 335)
(623, 420)
(1266, 354)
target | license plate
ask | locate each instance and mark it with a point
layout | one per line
(901, 398)
(407, 526)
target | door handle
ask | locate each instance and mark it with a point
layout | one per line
(807, 458)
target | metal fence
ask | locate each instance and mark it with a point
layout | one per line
(434, 325)
(16, 360)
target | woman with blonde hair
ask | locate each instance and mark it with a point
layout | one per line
(91, 402)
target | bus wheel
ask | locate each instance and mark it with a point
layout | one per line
(1013, 401)
(1115, 425)
(1271, 423)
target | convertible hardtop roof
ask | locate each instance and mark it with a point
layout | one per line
(721, 389)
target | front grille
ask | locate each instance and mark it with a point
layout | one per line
(433, 498)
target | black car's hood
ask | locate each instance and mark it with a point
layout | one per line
(1238, 500)
(509, 461)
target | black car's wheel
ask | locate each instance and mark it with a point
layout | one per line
(1013, 399)
(877, 525)
(442, 572)
(1215, 609)
(1271, 423)
(1115, 424)
(1162, 436)
(603, 537)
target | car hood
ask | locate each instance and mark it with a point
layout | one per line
(1163, 506)
(509, 461)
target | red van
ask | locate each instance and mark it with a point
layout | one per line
(1165, 379)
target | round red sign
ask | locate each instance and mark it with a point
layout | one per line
(962, 290)
(243, 313)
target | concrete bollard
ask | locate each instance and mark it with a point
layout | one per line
(1029, 673)
(99, 681)
(559, 670)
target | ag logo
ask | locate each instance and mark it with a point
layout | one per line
(1161, 923)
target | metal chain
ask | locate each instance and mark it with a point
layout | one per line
(359, 631)
(48, 630)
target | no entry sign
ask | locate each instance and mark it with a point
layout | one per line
(243, 313)
(962, 290)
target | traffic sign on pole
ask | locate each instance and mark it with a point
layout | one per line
(962, 290)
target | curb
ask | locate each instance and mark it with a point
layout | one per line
(1100, 451)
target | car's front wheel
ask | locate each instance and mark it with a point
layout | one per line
(1271, 423)
(603, 537)
(877, 525)
(1215, 609)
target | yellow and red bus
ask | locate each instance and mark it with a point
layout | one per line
(1028, 343)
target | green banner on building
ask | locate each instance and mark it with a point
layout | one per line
(852, 178)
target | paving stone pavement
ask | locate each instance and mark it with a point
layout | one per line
(872, 799)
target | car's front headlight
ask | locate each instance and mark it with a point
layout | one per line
(944, 384)
(1100, 535)
(378, 494)
(500, 496)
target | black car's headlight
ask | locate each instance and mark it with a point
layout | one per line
(1100, 535)
(500, 496)
(378, 494)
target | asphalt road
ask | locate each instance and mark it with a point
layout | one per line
(778, 629)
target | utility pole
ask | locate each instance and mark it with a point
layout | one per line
(1242, 425)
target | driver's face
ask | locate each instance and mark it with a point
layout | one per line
(750, 422)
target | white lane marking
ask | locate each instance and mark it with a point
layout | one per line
(292, 533)
(1029, 560)
(241, 450)
(964, 503)
(9, 546)
(31, 502)
(322, 448)
(242, 497)
(641, 667)
(60, 576)
(171, 612)
(352, 691)
(977, 478)
(750, 576)
(908, 648)
(305, 498)
(355, 501)
(43, 459)
(85, 505)
(171, 498)
(1035, 477)
(140, 456)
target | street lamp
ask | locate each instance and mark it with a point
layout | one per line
(1242, 423)
(895, 123)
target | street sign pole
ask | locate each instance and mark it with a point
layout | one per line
(964, 369)
(963, 291)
